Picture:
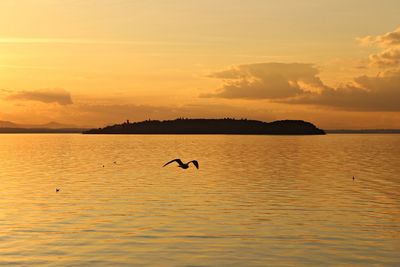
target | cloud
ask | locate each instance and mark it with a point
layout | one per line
(389, 56)
(267, 81)
(380, 93)
(59, 96)
(385, 40)
(299, 84)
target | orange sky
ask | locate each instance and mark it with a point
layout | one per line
(91, 63)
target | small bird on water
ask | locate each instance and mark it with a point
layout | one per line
(57, 190)
(183, 165)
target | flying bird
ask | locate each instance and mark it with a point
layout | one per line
(183, 165)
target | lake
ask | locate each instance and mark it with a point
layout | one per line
(255, 201)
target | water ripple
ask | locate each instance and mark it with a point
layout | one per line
(256, 200)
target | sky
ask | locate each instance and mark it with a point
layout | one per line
(97, 62)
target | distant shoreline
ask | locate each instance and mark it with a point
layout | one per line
(328, 132)
(126, 128)
(364, 131)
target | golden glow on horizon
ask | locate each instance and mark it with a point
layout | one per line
(139, 60)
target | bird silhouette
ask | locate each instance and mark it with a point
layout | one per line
(183, 165)
(57, 190)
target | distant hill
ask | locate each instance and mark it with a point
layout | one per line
(8, 124)
(211, 126)
(51, 127)
(40, 130)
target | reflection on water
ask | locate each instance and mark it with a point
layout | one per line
(255, 201)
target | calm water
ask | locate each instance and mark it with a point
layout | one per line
(256, 200)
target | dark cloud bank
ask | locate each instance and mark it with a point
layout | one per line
(299, 84)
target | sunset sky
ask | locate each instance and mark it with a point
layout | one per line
(97, 62)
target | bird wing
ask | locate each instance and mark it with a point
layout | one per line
(195, 163)
(179, 161)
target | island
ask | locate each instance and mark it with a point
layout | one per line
(212, 126)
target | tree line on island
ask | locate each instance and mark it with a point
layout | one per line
(211, 126)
